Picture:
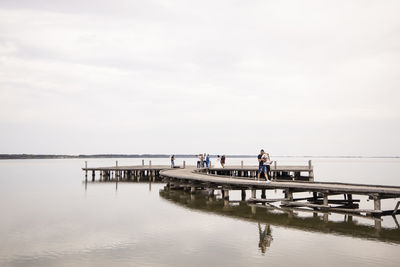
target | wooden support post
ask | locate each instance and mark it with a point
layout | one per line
(241, 164)
(253, 193)
(315, 197)
(263, 195)
(377, 203)
(210, 192)
(149, 163)
(253, 210)
(226, 194)
(86, 170)
(290, 214)
(243, 195)
(116, 170)
(192, 190)
(289, 194)
(325, 202)
(326, 218)
(93, 175)
(349, 199)
(226, 203)
(275, 172)
(378, 225)
(184, 164)
(310, 171)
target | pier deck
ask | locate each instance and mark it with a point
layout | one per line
(191, 174)
(194, 179)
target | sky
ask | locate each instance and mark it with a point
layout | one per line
(222, 77)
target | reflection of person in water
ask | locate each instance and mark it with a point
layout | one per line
(265, 238)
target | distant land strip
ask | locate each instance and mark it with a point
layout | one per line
(57, 156)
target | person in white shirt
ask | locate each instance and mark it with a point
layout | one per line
(267, 164)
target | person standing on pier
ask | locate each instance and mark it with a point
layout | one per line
(267, 166)
(208, 160)
(261, 167)
(173, 161)
(199, 161)
(223, 161)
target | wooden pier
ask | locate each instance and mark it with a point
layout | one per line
(290, 179)
(192, 179)
(144, 172)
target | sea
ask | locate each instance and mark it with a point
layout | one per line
(51, 217)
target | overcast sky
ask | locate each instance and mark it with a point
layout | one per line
(292, 77)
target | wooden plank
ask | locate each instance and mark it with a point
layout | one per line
(265, 200)
(303, 204)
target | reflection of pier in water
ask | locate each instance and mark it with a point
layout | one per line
(277, 217)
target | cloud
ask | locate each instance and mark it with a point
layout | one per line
(144, 67)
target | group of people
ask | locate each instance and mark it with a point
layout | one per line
(264, 163)
(264, 166)
(203, 160)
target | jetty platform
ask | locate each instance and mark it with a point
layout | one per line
(291, 180)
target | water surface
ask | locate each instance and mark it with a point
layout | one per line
(50, 219)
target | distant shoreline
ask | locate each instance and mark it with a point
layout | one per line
(56, 156)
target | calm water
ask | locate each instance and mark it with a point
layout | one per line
(48, 218)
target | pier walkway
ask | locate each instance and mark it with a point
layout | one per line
(196, 179)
